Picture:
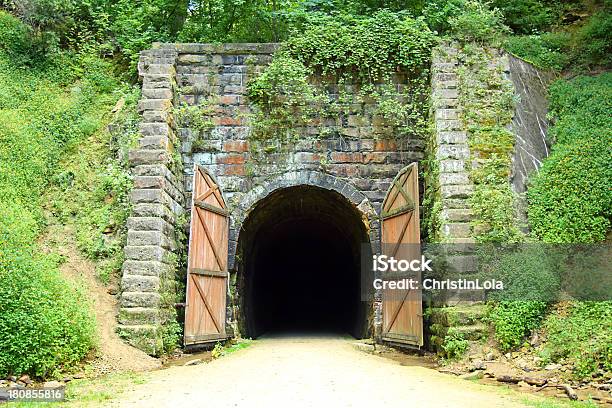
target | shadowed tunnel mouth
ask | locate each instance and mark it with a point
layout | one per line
(300, 250)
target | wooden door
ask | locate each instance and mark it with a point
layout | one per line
(207, 274)
(402, 309)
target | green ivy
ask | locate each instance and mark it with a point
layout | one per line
(359, 57)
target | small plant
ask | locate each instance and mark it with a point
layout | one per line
(229, 347)
(195, 117)
(218, 350)
(455, 345)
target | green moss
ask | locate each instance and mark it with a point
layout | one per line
(487, 99)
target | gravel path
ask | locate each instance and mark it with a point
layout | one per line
(308, 372)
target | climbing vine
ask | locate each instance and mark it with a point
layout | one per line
(326, 75)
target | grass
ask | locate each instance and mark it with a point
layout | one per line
(550, 403)
(91, 392)
(230, 347)
(540, 401)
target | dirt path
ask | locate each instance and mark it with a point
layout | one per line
(308, 372)
(113, 354)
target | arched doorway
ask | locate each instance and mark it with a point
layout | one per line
(298, 262)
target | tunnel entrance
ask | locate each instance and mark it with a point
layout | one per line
(299, 268)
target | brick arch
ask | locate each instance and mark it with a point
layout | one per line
(302, 178)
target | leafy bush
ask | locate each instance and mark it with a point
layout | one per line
(477, 22)
(455, 345)
(372, 46)
(580, 334)
(437, 13)
(578, 48)
(45, 322)
(593, 46)
(513, 320)
(15, 37)
(531, 283)
(548, 51)
(530, 16)
(569, 198)
(529, 271)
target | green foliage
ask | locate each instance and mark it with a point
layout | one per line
(195, 117)
(488, 105)
(593, 42)
(530, 16)
(455, 345)
(15, 38)
(239, 21)
(369, 47)
(580, 47)
(171, 335)
(285, 99)
(477, 22)
(529, 271)
(515, 319)
(359, 52)
(45, 322)
(581, 336)
(437, 13)
(46, 110)
(218, 350)
(530, 274)
(229, 347)
(548, 50)
(569, 198)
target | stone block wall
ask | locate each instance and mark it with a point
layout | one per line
(148, 285)
(359, 151)
(451, 149)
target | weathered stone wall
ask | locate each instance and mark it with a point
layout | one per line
(359, 159)
(529, 125)
(451, 149)
(148, 285)
(359, 152)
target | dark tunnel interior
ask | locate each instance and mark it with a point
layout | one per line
(300, 251)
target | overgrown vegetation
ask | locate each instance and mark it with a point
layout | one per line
(570, 199)
(580, 334)
(362, 53)
(45, 110)
(488, 106)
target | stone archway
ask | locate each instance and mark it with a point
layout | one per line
(300, 239)
(248, 202)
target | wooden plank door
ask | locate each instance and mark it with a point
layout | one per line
(207, 274)
(402, 309)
